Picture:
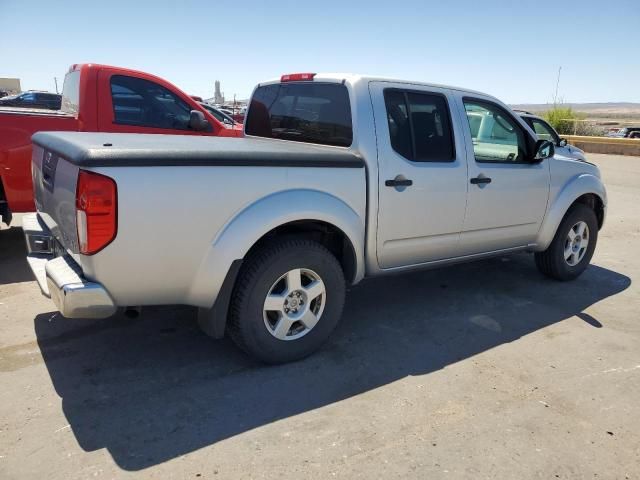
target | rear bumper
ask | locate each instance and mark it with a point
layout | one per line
(60, 277)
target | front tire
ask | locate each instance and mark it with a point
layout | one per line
(573, 245)
(287, 301)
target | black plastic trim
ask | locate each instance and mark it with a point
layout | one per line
(318, 162)
(5, 211)
(213, 321)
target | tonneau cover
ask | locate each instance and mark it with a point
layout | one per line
(130, 149)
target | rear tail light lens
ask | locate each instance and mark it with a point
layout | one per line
(96, 211)
(296, 77)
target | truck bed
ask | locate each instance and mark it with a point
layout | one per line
(33, 111)
(187, 207)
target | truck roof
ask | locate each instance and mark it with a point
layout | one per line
(354, 78)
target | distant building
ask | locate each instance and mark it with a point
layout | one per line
(218, 98)
(10, 85)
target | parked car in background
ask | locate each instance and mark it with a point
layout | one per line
(239, 117)
(625, 132)
(3, 94)
(339, 177)
(96, 98)
(227, 120)
(33, 99)
(546, 132)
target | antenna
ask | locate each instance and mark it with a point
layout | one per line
(555, 97)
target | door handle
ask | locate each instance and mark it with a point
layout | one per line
(400, 182)
(480, 180)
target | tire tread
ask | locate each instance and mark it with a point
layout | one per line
(262, 256)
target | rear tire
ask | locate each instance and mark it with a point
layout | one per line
(573, 245)
(287, 301)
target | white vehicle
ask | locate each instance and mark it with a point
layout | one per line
(339, 177)
(546, 132)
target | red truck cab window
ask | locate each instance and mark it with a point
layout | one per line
(143, 103)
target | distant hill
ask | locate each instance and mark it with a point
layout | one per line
(595, 109)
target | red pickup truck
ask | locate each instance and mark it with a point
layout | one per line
(96, 98)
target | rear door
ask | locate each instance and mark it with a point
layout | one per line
(422, 174)
(508, 194)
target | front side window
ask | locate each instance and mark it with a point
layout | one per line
(496, 135)
(303, 112)
(146, 104)
(544, 131)
(419, 126)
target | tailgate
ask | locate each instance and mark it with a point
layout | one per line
(54, 185)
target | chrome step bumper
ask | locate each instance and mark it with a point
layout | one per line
(60, 277)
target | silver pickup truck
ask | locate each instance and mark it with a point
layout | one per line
(339, 177)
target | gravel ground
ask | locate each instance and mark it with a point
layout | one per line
(484, 370)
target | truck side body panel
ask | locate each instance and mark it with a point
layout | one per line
(182, 227)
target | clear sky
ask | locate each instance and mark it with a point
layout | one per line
(511, 49)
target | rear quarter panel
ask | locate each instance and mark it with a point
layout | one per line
(176, 225)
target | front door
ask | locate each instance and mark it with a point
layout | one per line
(508, 193)
(422, 176)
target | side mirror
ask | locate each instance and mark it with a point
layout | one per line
(544, 149)
(563, 142)
(197, 121)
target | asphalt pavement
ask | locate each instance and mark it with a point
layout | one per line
(483, 370)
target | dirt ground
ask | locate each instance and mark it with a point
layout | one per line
(484, 370)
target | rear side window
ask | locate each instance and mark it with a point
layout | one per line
(419, 126)
(71, 92)
(143, 103)
(303, 112)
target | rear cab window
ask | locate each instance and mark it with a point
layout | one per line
(71, 93)
(310, 112)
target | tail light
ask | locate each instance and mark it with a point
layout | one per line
(96, 211)
(296, 77)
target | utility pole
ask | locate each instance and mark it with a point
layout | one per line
(55, 80)
(555, 97)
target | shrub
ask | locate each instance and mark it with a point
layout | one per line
(562, 119)
(568, 122)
